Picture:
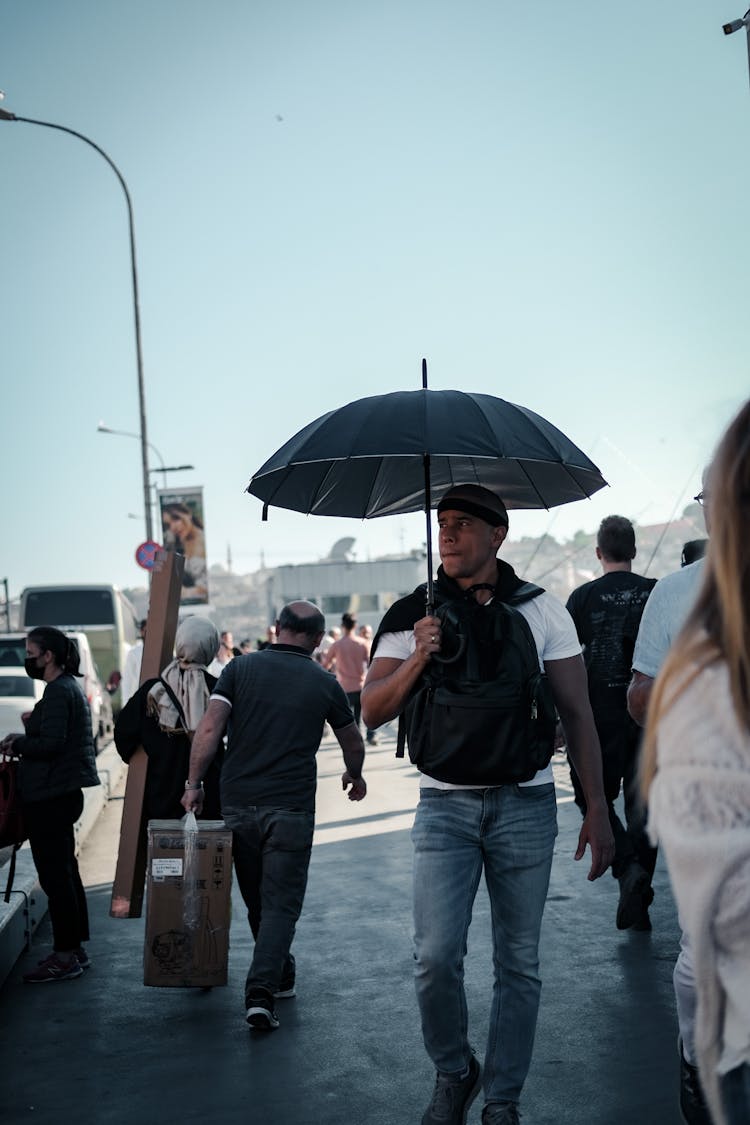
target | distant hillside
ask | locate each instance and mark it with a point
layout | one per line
(239, 602)
(561, 566)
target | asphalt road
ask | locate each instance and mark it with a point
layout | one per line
(106, 1049)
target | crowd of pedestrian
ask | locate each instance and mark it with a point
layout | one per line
(477, 681)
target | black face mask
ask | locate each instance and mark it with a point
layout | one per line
(33, 669)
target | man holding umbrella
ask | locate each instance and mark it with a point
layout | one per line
(506, 828)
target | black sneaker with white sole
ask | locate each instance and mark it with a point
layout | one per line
(260, 1010)
(452, 1097)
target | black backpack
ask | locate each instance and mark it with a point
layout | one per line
(483, 712)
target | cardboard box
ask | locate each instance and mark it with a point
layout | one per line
(188, 891)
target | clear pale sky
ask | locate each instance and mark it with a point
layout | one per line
(548, 202)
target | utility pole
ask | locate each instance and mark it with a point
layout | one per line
(7, 606)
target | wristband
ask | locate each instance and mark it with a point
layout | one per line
(189, 786)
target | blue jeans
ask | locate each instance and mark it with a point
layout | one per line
(271, 849)
(509, 832)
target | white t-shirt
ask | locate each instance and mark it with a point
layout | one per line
(131, 673)
(664, 615)
(554, 635)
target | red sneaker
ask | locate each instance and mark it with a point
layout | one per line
(54, 968)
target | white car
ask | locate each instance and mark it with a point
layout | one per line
(12, 653)
(18, 696)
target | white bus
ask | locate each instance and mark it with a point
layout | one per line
(103, 613)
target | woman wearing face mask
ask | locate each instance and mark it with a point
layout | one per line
(57, 762)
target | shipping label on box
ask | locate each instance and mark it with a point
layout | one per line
(188, 896)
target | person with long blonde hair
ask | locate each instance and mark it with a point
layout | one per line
(696, 780)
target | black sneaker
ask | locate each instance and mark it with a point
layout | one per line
(286, 989)
(452, 1097)
(636, 895)
(260, 1011)
(692, 1102)
(501, 1113)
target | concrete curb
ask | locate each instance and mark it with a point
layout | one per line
(28, 902)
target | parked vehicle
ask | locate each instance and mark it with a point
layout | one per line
(103, 613)
(13, 651)
(18, 696)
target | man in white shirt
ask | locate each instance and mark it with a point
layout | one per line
(131, 673)
(223, 656)
(507, 829)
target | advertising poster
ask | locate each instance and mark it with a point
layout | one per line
(183, 530)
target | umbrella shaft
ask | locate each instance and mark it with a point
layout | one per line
(427, 496)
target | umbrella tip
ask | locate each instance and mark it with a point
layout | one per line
(424, 374)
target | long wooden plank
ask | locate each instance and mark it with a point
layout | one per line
(164, 604)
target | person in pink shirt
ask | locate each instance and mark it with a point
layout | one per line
(365, 632)
(349, 656)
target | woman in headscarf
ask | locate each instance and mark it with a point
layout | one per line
(162, 717)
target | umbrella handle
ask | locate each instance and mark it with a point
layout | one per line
(456, 655)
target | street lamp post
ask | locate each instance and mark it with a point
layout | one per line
(102, 429)
(162, 468)
(737, 25)
(171, 469)
(6, 115)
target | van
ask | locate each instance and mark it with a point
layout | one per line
(19, 694)
(13, 653)
(103, 613)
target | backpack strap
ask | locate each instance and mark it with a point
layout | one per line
(525, 592)
(401, 735)
(178, 707)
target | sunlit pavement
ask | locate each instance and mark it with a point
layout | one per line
(105, 1049)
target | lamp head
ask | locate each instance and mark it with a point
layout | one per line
(734, 25)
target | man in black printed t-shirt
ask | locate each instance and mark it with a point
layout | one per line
(607, 613)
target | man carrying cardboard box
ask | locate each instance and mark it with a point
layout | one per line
(274, 705)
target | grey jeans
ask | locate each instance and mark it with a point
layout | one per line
(271, 849)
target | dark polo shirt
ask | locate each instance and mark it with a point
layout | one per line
(280, 700)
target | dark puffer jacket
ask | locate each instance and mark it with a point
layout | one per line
(57, 751)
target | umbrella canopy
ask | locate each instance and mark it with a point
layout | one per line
(370, 458)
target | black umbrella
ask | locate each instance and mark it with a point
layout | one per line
(400, 452)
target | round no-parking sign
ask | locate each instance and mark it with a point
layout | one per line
(145, 554)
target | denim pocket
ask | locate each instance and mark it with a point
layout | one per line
(535, 792)
(289, 830)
